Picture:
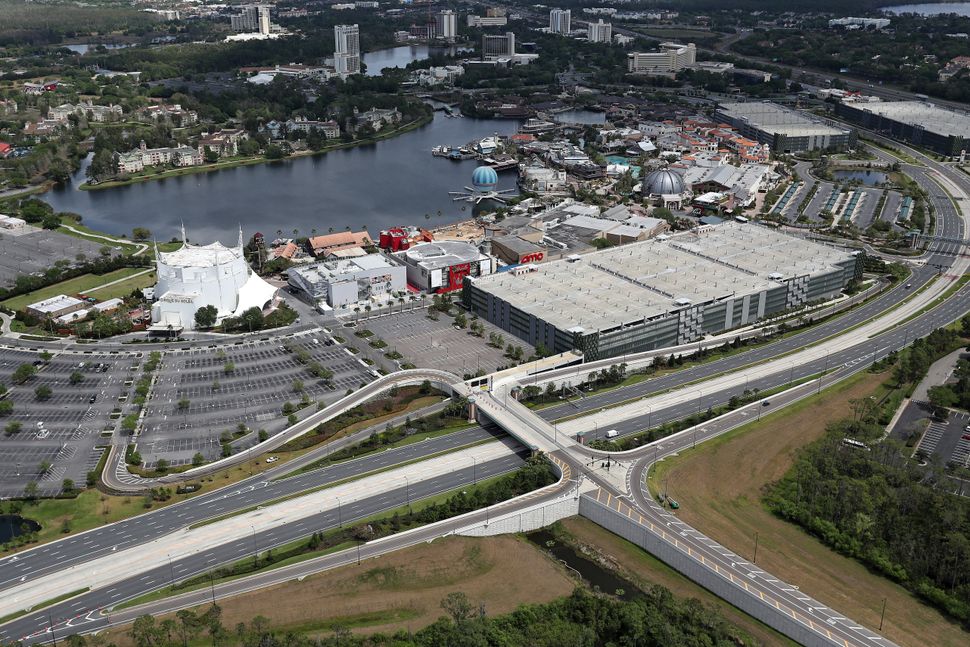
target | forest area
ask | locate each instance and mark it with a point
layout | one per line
(582, 619)
(876, 505)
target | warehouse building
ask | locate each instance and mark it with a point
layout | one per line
(922, 124)
(660, 293)
(55, 307)
(783, 129)
(343, 282)
(442, 266)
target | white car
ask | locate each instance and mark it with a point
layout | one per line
(272, 459)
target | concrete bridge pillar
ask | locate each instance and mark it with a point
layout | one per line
(472, 409)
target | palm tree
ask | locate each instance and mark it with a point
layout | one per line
(313, 232)
(401, 301)
(357, 313)
(330, 230)
(279, 233)
(367, 309)
(296, 232)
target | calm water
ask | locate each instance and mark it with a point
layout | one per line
(393, 182)
(931, 9)
(12, 525)
(580, 117)
(868, 178)
(402, 55)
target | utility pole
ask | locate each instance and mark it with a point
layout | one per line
(882, 617)
(50, 621)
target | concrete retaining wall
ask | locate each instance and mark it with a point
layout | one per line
(632, 531)
(528, 519)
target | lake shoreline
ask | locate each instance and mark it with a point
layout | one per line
(208, 168)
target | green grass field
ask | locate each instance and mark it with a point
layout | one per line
(80, 284)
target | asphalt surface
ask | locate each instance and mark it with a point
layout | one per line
(254, 491)
(855, 358)
(75, 615)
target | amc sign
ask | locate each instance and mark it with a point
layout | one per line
(534, 257)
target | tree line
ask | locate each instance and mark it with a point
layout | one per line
(583, 619)
(875, 504)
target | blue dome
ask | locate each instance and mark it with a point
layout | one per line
(484, 178)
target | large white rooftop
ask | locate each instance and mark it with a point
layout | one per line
(189, 255)
(630, 283)
(919, 113)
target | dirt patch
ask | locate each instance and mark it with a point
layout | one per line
(402, 590)
(719, 489)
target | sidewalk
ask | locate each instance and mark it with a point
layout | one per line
(937, 374)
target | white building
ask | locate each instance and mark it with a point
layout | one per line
(443, 75)
(442, 266)
(559, 21)
(486, 21)
(446, 24)
(495, 47)
(347, 281)
(202, 275)
(671, 58)
(599, 32)
(860, 23)
(253, 18)
(346, 55)
(136, 160)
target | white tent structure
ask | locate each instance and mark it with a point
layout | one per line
(194, 276)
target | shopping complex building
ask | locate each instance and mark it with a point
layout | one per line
(946, 132)
(660, 293)
(782, 129)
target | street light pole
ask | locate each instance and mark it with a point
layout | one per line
(50, 621)
(340, 523)
(407, 493)
(255, 548)
(882, 617)
(755, 560)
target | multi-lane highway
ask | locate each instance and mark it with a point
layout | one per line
(36, 626)
(81, 548)
(258, 490)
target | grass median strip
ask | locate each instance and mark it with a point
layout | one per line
(537, 473)
(349, 479)
(43, 605)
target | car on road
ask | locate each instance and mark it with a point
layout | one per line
(272, 459)
(909, 285)
(766, 403)
(612, 433)
(93, 399)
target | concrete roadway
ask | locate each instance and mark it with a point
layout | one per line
(254, 491)
(113, 592)
(178, 516)
(35, 627)
(826, 622)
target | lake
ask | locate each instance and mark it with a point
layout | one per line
(392, 182)
(403, 55)
(931, 9)
(12, 525)
(867, 177)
